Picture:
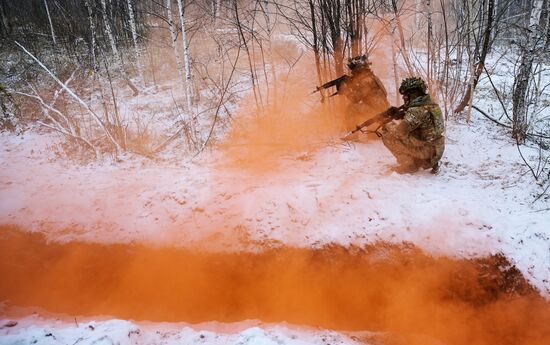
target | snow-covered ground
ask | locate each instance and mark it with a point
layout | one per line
(330, 192)
(37, 330)
(480, 203)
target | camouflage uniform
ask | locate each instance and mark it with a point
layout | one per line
(418, 140)
(364, 91)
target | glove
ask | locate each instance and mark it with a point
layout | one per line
(392, 111)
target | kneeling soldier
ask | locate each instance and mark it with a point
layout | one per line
(418, 140)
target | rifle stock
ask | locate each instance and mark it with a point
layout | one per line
(382, 118)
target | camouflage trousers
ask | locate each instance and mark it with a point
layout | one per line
(410, 151)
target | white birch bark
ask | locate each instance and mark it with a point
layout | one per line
(217, 4)
(395, 68)
(521, 83)
(110, 33)
(75, 96)
(472, 62)
(174, 38)
(429, 46)
(50, 20)
(188, 92)
(135, 39)
(93, 31)
(118, 60)
(270, 50)
(418, 14)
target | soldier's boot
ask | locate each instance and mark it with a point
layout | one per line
(435, 169)
(405, 169)
(423, 163)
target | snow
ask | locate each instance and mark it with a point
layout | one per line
(482, 202)
(37, 330)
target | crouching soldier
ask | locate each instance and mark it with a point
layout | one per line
(418, 140)
(363, 90)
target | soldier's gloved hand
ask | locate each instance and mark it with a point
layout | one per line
(393, 111)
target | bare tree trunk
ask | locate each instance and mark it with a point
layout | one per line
(118, 59)
(135, 39)
(265, 5)
(316, 46)
(395, 71)
(188, 89)
(445, 87)
(50, 21)
(477, 69)
(429, 46)
(93, 34)
(216, 4)
(76, 97)
(521, 84)
(402, 48)
(173, 41)
(4, 23)
(250, 62)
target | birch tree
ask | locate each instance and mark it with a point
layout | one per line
(487, 16)
(50, 21)
(533, 44)
(93, 48)
(116, 54)
(185, 47)
(135, 39)
(174, 39)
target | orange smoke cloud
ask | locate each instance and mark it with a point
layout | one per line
(378, 288)
(297, 123)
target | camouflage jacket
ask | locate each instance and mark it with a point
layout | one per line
(423, 120)
(363, 86)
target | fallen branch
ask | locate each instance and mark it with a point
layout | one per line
(72, 94)
(505, 125)
(496, 93)
(490, 118)
(220, 103)
(79, 138)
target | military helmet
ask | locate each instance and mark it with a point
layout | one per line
(411, 84)
(358, 61)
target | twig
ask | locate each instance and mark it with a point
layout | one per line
(496, 93)
(541, 194)
(505, 125)
(525, 161)
(220, 103)
(70, 92)
(69, 135)
(490, 118)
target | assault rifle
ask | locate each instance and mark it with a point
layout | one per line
(382, 118)
(336, 82)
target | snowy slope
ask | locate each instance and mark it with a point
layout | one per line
(480, 203)
(36, 330)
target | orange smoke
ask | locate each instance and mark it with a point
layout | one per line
(297, 123)
(376, 288)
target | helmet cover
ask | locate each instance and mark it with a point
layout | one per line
(358, 61)
(411, 84)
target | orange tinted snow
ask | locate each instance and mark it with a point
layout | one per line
(376, 288)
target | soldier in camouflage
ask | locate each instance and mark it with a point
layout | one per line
(365, 92)
(418, 140)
